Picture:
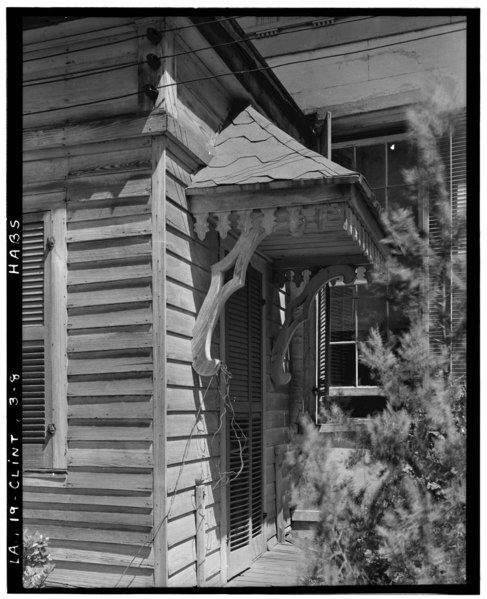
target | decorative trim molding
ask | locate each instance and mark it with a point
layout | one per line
(298, 311)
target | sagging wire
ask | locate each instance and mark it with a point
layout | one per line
(126, 39)
(171, 503)
(238, 72)
(224, 376)
(101, 70)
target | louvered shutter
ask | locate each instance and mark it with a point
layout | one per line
(244, 360)
(459, 209)
(323, 342)
(342, 348)
(452, 149)
(35, 342)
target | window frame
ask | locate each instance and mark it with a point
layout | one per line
(53, 456)
(423, 216)
(344, 390)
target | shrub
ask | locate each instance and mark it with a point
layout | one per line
(394, 512)
(36, 560)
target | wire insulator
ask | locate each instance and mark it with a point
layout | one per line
(153, 61)
(154, 36)
(151, 92)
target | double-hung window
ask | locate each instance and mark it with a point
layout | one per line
(382, 161)
(345, 315)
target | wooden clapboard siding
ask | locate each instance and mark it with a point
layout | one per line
(102, 517)
(192, 406)
(66, 497)
(191, 423)
(191, 400)
(184, 502)
(76, 56)
(88, 160)
(101, 553)
(89, 575)
(183, 528)
(186, 576)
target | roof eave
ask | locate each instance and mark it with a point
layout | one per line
(227, 189)
(265, 88)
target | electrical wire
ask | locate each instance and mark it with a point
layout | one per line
(174, 492)
(121, 41)
(125, 39)
(243, 71)
(89, 72)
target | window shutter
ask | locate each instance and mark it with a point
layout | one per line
(323, 341)
(244, 359)
(459, 209)
(35, 342)
(452, 149)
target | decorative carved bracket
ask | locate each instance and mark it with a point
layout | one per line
(298, 312)
(254, 226)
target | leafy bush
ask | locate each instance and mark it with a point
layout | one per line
(394, 511)
(36, 560)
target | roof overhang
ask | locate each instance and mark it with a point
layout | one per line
(298, 208)
(311, 223)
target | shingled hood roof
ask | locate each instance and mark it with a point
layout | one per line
(301, 210)
(252, 150)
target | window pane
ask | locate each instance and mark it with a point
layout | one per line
(342, 365)
(400, 156)
(365, 378)
(342, 325)
(371, 163)
(343, 157)
(371, 311)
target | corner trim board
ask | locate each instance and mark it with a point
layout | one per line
(158, 202)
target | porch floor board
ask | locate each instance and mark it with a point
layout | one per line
(279, 567)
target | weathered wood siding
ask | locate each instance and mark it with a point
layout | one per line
(99, 519)
(101, 515)
(192, 403)
(73, 64)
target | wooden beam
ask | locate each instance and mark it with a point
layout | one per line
(158, 200)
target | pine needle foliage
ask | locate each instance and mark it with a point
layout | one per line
(394, 512)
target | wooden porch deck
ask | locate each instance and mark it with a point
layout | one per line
(279, 567)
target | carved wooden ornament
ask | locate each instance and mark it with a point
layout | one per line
(298, 312)
(253, 232)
